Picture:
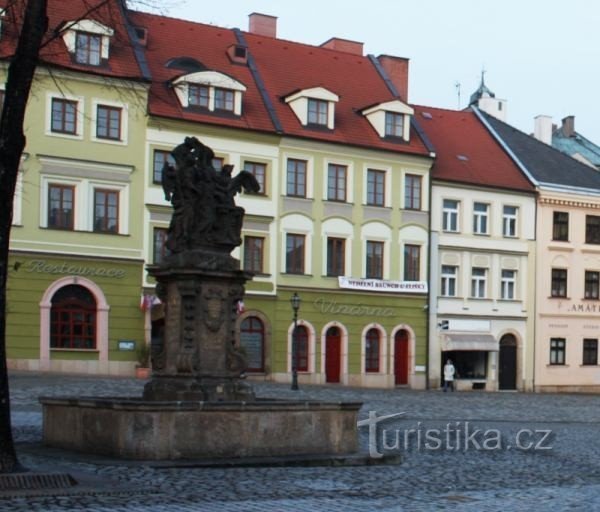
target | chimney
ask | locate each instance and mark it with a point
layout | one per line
(542, 129)
(568, 126)
(397, 70)
(263, 25)
(344, 45)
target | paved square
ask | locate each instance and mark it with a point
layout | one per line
(462, 451)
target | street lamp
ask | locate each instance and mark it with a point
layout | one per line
(295, 301)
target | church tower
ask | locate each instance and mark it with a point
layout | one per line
(486, 100)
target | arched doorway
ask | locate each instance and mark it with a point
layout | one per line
(401, 354)
(73, 318)
(252, 339)
(333, 345)
(507, 364)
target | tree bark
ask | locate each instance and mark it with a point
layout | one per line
(12, 142)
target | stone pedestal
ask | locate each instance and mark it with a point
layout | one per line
(197, 359)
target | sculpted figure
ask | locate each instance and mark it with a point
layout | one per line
(205, 214)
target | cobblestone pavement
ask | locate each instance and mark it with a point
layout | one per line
(443, 468)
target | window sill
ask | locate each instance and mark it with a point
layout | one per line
(450, 232)
(481, 234)
(557, 366)
(589, 365)
(296, 274)
(68, 230)
(559, 297)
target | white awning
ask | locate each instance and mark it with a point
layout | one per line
(485, 342)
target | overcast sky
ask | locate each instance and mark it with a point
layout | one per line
(542, 56)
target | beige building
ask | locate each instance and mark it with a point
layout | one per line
(567, 223)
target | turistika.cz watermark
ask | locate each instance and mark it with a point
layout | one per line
(453, 436)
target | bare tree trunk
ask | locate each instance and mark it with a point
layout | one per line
(12, 142)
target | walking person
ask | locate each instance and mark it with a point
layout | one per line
(449, 372)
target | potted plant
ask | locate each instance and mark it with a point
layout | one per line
(142, 368)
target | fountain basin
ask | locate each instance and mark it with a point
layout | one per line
(133, 428)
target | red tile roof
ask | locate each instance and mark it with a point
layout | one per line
(466, 152)
(122, 62)
(284, 66)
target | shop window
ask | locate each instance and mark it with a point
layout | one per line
(372, 350)
(252, 340)
(469, 364)
(301, 334)
(73, 319)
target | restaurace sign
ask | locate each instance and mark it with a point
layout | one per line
(73, 269)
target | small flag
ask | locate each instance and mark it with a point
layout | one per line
(240, 307)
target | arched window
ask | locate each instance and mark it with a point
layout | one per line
(252, 339)
(372, 349)
(302, 348)
(73, 318)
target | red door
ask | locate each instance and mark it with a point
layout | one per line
(333, 345)
(401, 357)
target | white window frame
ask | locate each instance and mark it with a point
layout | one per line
(509, 221)
(449, 281)
(479, 282)
(508, 284)
(450, 215)
(481, 223)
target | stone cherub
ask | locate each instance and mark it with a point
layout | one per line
(205, 215)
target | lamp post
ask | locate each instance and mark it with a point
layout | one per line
(295, 301)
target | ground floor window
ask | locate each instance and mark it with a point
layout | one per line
(301, 334)
(73, 318)
(469, 364)
(372, 350)
(252, 340)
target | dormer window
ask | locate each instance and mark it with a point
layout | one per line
(198, 95)
(88, 48)
(317, 112)
(314, 107)
(394, 124)
(224, 99)
(87, 41)
(390, 120)
(210, 90)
